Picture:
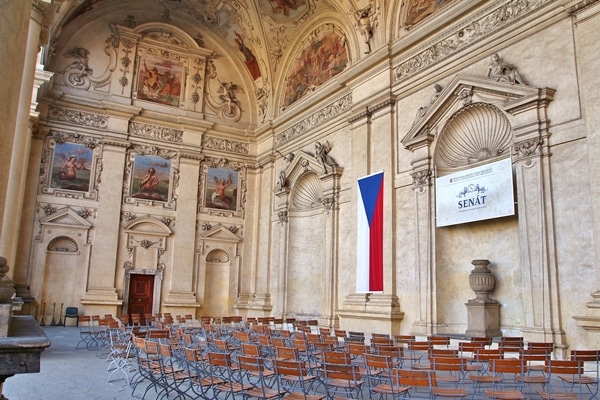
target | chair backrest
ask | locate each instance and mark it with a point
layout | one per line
(251, 349)
(287, 353)
(71, 312)
(412, 378)
(336, 357)
(290, 368)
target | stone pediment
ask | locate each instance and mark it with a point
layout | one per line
(67, 218)
(148, 226)
(220, 233)
(303, 162)
(463, 91)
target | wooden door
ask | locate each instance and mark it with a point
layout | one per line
(141, 289)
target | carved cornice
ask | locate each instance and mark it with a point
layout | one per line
(78, 117)
(325, 114)
(453, 42)
(156, 132)
(581, 6)
(228, 145)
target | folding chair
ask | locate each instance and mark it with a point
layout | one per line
(87, 333)
(221, 367)
(200, 381)
(174, 379)
(588, 357)
(569, 369)
(293, 377)
(393, 388)
(256, 379)
(120, 355)
(342, 380)
(505, 385)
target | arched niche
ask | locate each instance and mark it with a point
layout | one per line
(218, 273)
(60, 265)
(474, 121)
(307, 205)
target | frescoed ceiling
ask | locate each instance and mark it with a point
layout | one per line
(267, 36)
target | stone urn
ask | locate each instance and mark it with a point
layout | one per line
(481, 280)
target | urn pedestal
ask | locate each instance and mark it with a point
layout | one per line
(483, 312)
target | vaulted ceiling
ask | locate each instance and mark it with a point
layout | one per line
(264, 37)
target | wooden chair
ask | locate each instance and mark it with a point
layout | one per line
(222, 367)
(505, 384)
(294, 378)
(571, 370)
(391, 389)
(418, 380)
(261, 380)
(592, 358)
(342, 380)
(201, 383)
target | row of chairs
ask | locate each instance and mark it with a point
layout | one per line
(435, 364)
(379, 373)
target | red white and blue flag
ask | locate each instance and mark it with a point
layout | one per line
(369, 255)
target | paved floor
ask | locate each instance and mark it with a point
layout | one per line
(68, 374)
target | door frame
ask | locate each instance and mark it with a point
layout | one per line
(158, 279)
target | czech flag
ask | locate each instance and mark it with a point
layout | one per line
(369, 255)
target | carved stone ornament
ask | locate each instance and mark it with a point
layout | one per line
(323, 115)
(156, 132)
(494, 19)
(78, 117)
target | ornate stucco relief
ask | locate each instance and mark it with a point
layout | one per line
(228, 145)
(156, 132)
(325, 114)
(479, 27)
(78, 117)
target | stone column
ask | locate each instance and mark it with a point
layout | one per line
(181, 286)
(103, 263)
(19, 158)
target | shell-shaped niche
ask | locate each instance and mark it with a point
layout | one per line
(474, 134)
(307, 193)
(63, 244)
(218, 256)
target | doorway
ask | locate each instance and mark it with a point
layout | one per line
(141, 295)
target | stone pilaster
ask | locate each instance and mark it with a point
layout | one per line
(181, 277)
(103, 263)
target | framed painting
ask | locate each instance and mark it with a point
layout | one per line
(69, 166)
(160, 80)
(151, 177)
(221, 189)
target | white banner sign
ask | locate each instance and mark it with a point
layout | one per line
(476, 194)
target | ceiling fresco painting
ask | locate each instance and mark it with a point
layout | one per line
(323, 58)
(280, 60)
(420, 9)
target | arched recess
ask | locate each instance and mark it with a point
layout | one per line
(217, 277)
(60, 264)
(146, 243)
(475, 121)
(307, 207)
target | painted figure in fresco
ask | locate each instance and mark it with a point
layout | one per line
(149, 182)
(251, 61)
(219, 192)
(502, 71)
(321, 153)
(152, 81)
(68, 171)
